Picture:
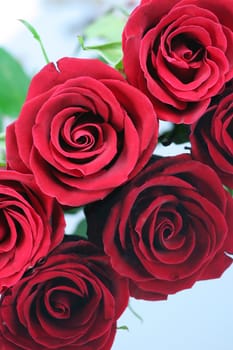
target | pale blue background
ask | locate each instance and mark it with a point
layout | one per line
(200, 318)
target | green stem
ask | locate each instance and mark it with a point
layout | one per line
(37, 37)
(134, 312)
(123, 11)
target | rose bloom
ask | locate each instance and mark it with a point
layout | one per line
(167, 228)
(212, 137)
(85, 131)
(72, 301)
(180, 54)
(31, 225)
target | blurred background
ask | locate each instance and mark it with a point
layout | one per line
(198, 318)
(59, 22)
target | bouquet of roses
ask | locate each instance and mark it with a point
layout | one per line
(86, 138)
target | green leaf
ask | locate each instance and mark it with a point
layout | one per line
(2, 139)
(119, 66)
(230, 190)
(33, 31)
(108, 27)
(13, 86)
(178, 134)
(72, 210)
(81, 229)
(124, 328)
(111, 52)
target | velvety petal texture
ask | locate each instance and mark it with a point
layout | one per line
(182, 54)
(71, 301)
(85, 131)
(212, 137)
(31, 225)
(169, 227)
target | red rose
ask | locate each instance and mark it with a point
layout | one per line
(31, 225)
(180, 54)
(72, 301)
(212, 138)
(167, 228)
(85, 131)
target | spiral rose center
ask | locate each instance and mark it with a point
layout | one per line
(184, 56)
(164, 232)
(82, 140)
(81, 132)
(84, 136)
(61, 304)
(186, 48)
(167, 232)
